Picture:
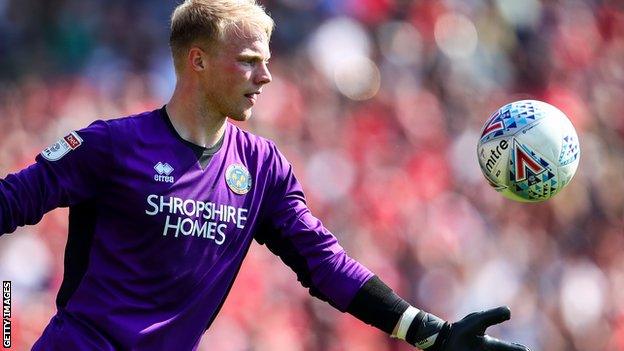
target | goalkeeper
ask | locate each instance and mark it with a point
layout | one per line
(164, 206)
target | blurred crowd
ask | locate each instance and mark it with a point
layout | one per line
(378, 104)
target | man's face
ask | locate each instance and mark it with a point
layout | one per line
(235, 73)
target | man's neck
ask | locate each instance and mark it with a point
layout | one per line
(193, 124)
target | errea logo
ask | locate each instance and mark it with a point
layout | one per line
(164, 170)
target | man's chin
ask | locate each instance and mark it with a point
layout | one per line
(241, 117)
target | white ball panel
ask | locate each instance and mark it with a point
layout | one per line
(544, 137)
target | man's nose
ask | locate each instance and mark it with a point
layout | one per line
(263, 75)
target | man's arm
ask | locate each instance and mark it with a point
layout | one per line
(66, 173)
(290, 231)
(376, 304)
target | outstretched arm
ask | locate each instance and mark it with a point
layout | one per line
(376, 304)
(290, 231)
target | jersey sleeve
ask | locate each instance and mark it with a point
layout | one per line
(70, 171)
(290, 231)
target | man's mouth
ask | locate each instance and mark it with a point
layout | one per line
(252, 97)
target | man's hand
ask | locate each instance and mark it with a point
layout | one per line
(469, 333)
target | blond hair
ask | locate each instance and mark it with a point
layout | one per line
(207, 21)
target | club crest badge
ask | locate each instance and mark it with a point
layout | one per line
(238, 178)
(64, 145)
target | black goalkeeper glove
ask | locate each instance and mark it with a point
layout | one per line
(469, 333)
(376, 304)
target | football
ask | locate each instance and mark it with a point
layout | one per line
(528, 150)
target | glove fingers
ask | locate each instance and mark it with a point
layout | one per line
(484, 319)
(493, 344)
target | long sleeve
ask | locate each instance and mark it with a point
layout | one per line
(64, 174)
(291, 231)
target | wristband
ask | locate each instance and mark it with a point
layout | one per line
(405, 322)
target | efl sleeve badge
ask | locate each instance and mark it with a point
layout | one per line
(64, 145)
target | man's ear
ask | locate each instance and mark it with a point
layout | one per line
(197, 59)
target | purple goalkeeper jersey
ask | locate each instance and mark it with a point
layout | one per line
(156, 237)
